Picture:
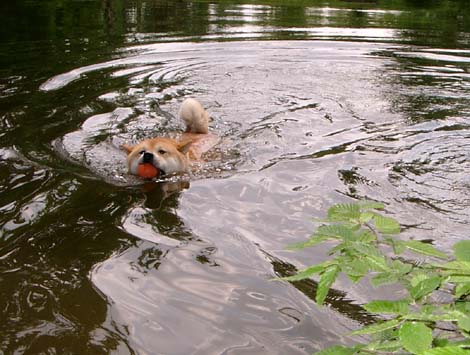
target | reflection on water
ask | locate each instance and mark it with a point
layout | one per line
(315, 104)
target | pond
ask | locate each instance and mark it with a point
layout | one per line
(315, 102)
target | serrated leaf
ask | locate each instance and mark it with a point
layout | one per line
(401, 267)
(336, 350)
(424, 248)
(377, 327)
(366, 249)
(425, 287)
(386, 335)
(376, 260)
(418, 277)
(415, 337)
(430, 308)
(356, 269)
(451, 316)
(465, 343)
(339, 248)
(398, 247)
(447, 350)
(314, 240)
(458, 279)
(335, 231)
(354, 278)
(344, 212)
(462, 250)
(464, 323)
(326, 280)
(388, 307)
(366, 216)
(371, 205)
(462, 306)
(386, 225)
(366, 236)
(378, 263)
(384, 345)
(440, 342)
(462, 266)
(384, 278)
(462, 290)
(307, 272)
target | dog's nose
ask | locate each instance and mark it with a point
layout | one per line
(148, 157)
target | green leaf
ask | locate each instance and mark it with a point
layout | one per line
(307, 273)
(464, 323)
(314, 240)
(371, 205)
(386, 225)
(425, 287)
(397, 245)
(464, 343)
(449, 316)
(344, 212)
(458, 279)
(366, 236)
(418, 277)
(441, 342)
(463, 307)
(462, 290)
(336, 350)
(366, 249)
(377, 327)
(384, 278)
(339, 248)
(462, 250)
(366, 216)
(415, 337)
(463, 267)
(378, 263)
(384, 345)
(425, 249)
(401, 267)
(326, 280)
(336, 231)
(447, 350)
(356, 269)
(388, 307)
(386, 335)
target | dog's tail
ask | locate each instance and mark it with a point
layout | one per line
(195, 117)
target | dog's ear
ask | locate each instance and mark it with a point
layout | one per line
(184, 146)
(127, 148)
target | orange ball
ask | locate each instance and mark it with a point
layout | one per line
(147, 171)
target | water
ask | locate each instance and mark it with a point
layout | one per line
(316, 103)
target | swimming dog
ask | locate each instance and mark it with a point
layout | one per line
(173, 156)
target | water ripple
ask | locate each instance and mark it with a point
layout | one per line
(304, 124)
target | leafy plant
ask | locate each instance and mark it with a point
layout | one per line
(364, 245)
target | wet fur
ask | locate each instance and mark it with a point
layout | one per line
(173, 156)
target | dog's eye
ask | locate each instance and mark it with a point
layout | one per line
(161, 151)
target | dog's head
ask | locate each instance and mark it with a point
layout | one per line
(165, 154)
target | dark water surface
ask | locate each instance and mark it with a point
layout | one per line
(316, 102)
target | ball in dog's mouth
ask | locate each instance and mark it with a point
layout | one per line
(148, 171)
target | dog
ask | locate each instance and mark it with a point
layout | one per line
(174, 156)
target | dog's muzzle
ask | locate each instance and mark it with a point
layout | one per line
(148, 157)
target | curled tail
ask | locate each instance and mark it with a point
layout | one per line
(195, 117)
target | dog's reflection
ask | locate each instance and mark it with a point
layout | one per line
(160, 194)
